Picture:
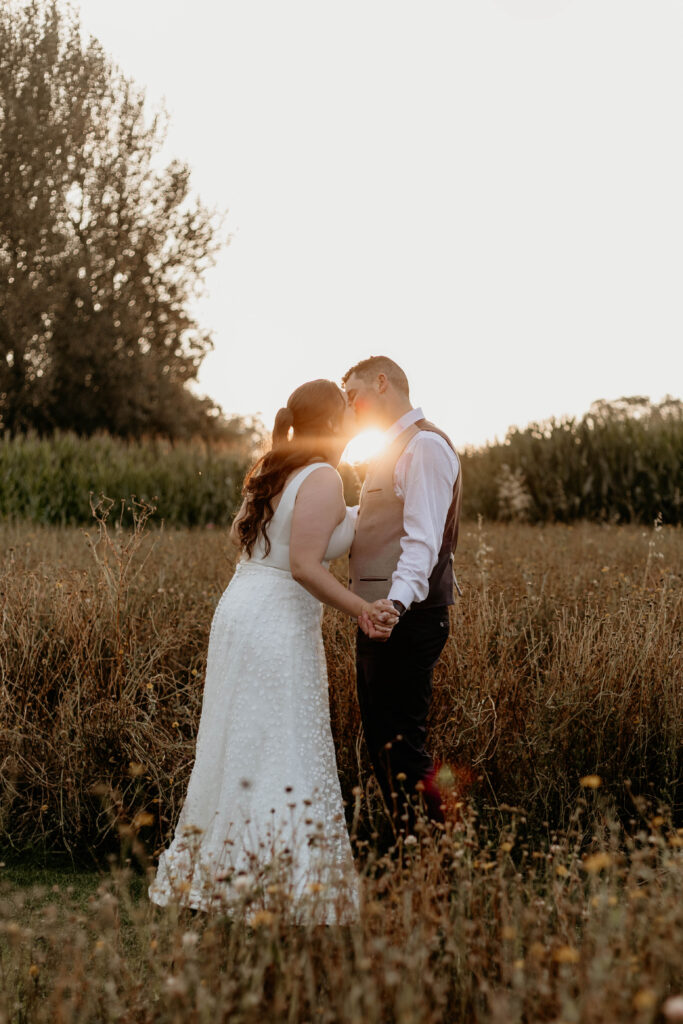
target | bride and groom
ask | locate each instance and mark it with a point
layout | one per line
(264, 790)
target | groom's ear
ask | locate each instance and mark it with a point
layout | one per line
(382, 383)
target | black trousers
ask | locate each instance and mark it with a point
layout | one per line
(394, 680)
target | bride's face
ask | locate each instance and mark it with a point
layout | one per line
(349, 425)
(341, 433)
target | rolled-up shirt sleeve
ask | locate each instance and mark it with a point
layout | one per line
(424, 477)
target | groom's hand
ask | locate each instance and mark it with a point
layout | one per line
(378, 620)
(379, 632)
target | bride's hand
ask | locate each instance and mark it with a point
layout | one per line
(378, 619)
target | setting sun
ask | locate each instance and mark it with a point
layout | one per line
(364, 446)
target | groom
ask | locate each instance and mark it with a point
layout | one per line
(406, 533)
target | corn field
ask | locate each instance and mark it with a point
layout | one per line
(618, 464)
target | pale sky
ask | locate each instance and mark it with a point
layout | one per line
(488, 191)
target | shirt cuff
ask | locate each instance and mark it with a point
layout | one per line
(401, 592)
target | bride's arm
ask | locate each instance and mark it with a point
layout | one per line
(318, 509)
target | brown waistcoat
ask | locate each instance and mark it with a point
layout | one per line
(376, 546)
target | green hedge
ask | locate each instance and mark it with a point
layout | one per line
(49, 480)
(622, 462)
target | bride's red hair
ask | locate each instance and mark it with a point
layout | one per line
(301, 433)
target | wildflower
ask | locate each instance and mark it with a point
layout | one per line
(644, 999)
(243, 882)
(192, 830)
(175, 986)
(410, 840)
(566, 955)
(262, 918)
(143, 818)
(189, 941)
(591, 781)
(673, 1008)
(596, 862)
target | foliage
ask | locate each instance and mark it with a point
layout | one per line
(621, 462)
(191, 483)
(49, 480)
(102, 250)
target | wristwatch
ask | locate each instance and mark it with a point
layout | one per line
(400, 607)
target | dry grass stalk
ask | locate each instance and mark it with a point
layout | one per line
(565, 659)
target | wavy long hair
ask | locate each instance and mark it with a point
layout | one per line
(301, 433)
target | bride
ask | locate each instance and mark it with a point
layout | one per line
(264, 799)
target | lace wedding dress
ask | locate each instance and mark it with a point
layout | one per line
(264, 807)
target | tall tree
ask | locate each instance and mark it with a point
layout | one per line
(102, 250)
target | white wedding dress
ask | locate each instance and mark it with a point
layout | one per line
(264, 799)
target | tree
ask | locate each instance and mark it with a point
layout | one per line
(101, 250)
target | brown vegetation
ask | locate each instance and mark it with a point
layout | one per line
(554, 893)
(564, 660)
(478, 928)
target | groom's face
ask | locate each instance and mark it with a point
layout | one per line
(364, 399)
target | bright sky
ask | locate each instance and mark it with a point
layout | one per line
(488, 191)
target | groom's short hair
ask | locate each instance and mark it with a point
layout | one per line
(368, 368)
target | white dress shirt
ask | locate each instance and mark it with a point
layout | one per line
(424, 477)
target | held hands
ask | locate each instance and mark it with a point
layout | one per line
(378, 619)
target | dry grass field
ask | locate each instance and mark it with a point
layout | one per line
(554, 894)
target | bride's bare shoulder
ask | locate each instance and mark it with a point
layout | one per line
(321, 489)
(319, 505)
(325, 478)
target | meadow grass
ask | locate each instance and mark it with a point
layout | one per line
(554, 893)
(478, 926)
(564, 660)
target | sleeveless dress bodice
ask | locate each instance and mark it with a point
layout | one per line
(280, 527)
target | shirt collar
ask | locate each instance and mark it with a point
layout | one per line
(405, 421)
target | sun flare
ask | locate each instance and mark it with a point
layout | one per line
(364, 446)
